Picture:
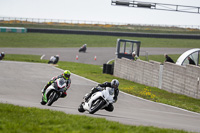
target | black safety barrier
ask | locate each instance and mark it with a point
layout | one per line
(107, 33)
(108, 68)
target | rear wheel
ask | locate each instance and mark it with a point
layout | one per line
(52, 98)
(96, 105)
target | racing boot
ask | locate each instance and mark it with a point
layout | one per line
(43, 91)
(43, 102)
(109, 108)
(64, 94)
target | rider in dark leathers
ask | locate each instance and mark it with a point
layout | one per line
(83, 48)
(114, 84)
(54, 59)
(2, 54)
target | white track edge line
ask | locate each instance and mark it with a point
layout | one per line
(120, 91)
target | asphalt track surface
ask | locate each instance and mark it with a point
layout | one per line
(21, 84)
(103, 54)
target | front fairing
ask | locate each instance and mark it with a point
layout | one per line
(51, 87)
(58, 85)
(61, 83)
(87, 105)
(108, 94)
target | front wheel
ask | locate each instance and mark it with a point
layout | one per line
(80, 108)
(96, 105)
(52, 98)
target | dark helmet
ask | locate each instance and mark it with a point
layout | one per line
(2, 54)
(67, 74)
(115, 83)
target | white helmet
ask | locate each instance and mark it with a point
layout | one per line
(115, 83)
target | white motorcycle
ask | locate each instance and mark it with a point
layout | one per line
(97, 101)
(54, 91)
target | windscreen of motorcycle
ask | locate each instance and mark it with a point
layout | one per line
(111, 91)
(61, 83)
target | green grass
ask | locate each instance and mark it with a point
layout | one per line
(38, 40)
(25, 58)
(94, 72)
(160, 58)
(16, 119)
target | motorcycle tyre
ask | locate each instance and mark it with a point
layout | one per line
(100, 103)
(52, 98)
(80, 108)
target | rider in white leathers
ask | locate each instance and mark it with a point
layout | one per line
(114, 84)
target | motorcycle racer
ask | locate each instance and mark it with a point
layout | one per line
(113, 84)
(66, 77)
(54, 59)
(2, 54)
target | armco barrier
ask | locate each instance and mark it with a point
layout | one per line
(13, 29)
(107, 33)
(170, 77)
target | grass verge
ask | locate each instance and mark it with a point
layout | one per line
(15, 119)
(160, 58)
(39, 40)
(94, 72)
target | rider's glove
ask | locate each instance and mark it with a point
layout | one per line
(99, 88)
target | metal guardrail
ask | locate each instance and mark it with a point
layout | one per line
(63, 21)
(43, 20)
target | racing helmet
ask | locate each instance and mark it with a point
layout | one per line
(133, 53)
(67, 74)
(2, 53)
(115, 83)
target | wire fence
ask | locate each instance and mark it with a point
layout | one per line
(14, 20)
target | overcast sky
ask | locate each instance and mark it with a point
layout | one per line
(98, 10)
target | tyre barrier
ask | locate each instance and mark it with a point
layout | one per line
(107, 33)
(13, 29)
(108, 68)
